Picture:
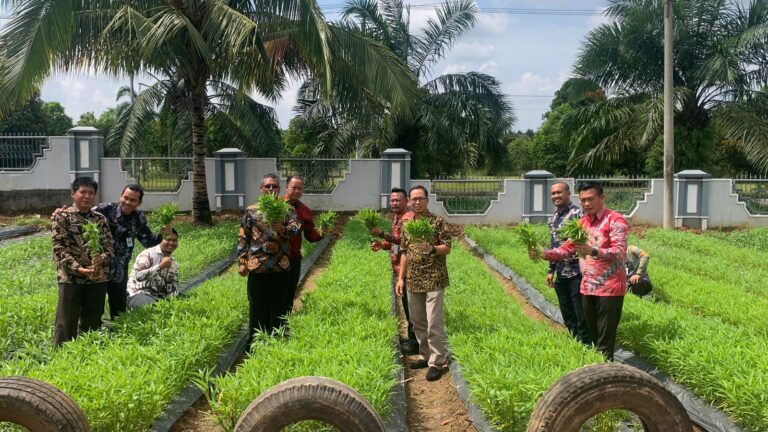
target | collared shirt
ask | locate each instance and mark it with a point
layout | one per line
(262, 250)
(70, 251)
(147, 276)
(567, 268)
(304, 216)
(392, 241)
(637, 261)
(125, 230)
(427, 272)
(604, 275)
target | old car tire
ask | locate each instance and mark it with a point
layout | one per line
(310, 398)
(39, 406)
(590, 390)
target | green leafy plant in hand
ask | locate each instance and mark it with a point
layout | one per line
(419, 230)
(325, 221)
(573, 231)
(164, 215)
(528, 236)
(369, 217)
(92, 236)
(274, 208)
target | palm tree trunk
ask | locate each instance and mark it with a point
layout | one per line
(201, 209)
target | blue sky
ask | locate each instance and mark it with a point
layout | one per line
(531, 54)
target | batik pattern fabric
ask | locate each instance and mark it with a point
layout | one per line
(69, 248)
(427, 272)
(147, 276)
(262, 250)
(567, 268)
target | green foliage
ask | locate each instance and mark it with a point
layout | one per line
(325, 221)
(273, 207)
(419, 230)
(529, 237)
(163, 215)
(92, 237)
(369, 217)
(574, 231)
(344, 332)
(755, 238)
(58, 122)
(33, 220)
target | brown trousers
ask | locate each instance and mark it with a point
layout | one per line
(428, 317)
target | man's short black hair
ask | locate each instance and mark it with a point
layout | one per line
(85, 182)
(136, 188)
(272, 176)
(292, 177)
(400, 191)
(591, 185)
(567, 186)
(426, 192)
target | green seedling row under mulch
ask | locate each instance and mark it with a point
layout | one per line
(124, 379)
(29, 291)
(344, 331)
(719, 361)
(507, 358)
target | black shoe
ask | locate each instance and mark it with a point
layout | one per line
(409, 347)
(418, 364)
(434, 374)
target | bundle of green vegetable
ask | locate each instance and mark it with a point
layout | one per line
(92, 236)
(325, 221)
(573, 231)
(419, 230)
(273, 207)
(163, 216)
(527, 236)
(369, 217)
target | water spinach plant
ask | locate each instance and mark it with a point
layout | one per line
(273, 207)
(419, 230)
(92, 237)
(325, 221)
(369, 217)
(574, 231)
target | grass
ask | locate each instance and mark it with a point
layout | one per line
(344, 332)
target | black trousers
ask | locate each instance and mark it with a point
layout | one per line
(269, 300)
(568, 292)
(603, 315)
(295, 272)
(117, 294)
(404, 299)
(81, 304)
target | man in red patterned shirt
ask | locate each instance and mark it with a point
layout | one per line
(294, 192)
(398, 199)
(604, 281)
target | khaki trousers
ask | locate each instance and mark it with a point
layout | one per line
(428, 317)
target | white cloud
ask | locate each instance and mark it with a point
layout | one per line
(530, 83)
(491, 23)
(490, 67)
(471, 51)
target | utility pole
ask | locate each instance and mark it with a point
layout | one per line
(669, 120)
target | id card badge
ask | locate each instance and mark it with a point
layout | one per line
(129, 241)
(395, 249)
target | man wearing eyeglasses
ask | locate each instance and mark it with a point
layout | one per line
(263, 253)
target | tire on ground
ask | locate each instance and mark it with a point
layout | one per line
(310, 398)
(590, 390)
(39, 406)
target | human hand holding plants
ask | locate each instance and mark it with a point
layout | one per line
(550, 280)
(423, 247)
(376, 246)
(583, 249)
(375, 231)
(634, 279)
(278, 227)
(165, 262)
(242, 270)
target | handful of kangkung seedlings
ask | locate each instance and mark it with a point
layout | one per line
(369, 217)
(419, 230)
(528, 236)
(92, 236)
(274, 208)
(325, 221)
(164, 215)
(574, 231)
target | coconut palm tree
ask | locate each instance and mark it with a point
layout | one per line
(459, 121)
(720, 66)
(210, 55)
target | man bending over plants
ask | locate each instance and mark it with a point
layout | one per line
(603, 251)
(82, 248)
(639, 283)
(263, 253)
(155, 273)
(423, 271)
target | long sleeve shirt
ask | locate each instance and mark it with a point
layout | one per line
(147, 276)
(259, 248)
(307, 221)
(125, 230)
(604, 275)
(567, 268)
(392, 241)
(637, 261)
(70, 251)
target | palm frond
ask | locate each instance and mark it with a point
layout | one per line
(454, 18)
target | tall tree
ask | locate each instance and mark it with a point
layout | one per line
(721, 63)
(56, 118)
(205, 52)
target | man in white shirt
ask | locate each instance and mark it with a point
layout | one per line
(155, 273)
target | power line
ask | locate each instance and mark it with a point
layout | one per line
(338, 7)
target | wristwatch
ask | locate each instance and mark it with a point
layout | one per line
(433, 251)
(594, 252)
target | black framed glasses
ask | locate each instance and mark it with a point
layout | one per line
(271, 186)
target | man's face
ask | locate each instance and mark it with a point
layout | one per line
(295, 189)
(169, 243)
(560, 195)
(269, 186)
(418, 201)
(591, 201)
(129, 201)
(83, 198)
(397, 202)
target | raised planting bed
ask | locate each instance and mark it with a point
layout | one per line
(29, 291)
(344, 331)
(721, 362)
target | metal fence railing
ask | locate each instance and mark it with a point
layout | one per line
(320, 175)
(158, 174)
(754, 193)
(467, 196)
(20, 152)
(621, 194)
